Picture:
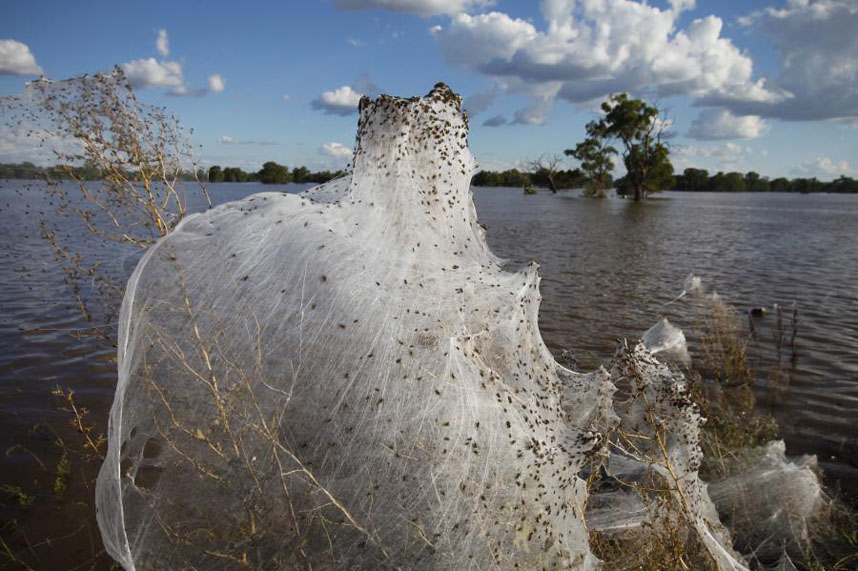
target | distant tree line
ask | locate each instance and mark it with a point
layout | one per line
(29, 171)
(700, 180)
(270, 173)
(572, 178)
(691, 179)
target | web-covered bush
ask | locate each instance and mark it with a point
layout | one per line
(348, 378)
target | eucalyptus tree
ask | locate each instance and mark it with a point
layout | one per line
(595, 155)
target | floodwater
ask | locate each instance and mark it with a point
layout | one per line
(609, 268)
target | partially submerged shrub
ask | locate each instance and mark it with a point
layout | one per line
(774, 506)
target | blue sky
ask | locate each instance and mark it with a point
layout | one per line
(765, 86)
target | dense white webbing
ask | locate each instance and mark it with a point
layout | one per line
(348, 378)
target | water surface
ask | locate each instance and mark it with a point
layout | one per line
(608, 268)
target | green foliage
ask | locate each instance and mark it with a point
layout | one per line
(512, 177)
(646, 158)
(486, 178)
(235, 174)
(509, 177)
(595, 157)
(755, 183)
(806, 185)
(273, 173)
(843, 184)
(300, 174)
(780, 185)
(20, 496)
(693, 179)
(29, 171)
(699, 180)
(729, 182)
(637, 127)
(323, 176)
(543, 177)
(61, 475)
(215, 174)
(570, 178)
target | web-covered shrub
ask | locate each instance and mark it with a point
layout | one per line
(348, 378)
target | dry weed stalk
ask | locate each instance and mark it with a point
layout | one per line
(126, 177)
(723, 385)
(126, 162)
(783, 338)
(137, 150)
(93, 443)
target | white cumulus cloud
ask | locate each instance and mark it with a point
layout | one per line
(149, 72)
(420, 7)
(162, 43)
(184, 91)
(724, 157)
(825, 168)
(816, 44)
(477, 41)
(216, 83)
(836, 168)
(480, 101)
(588, 49)
(341, 101)
(336, 150)
(535, 114)
(26, 140)
(17, 59)
(713, 124)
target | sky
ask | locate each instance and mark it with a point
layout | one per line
(768, 85)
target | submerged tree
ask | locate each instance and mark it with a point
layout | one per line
(645, 155)
(595, 157)
(545, 169)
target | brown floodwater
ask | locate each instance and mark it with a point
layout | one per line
(609, 269)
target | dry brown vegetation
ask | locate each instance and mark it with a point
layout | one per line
(140, 153)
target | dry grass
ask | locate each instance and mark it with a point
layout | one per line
(723, 388)
(666, 543)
